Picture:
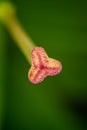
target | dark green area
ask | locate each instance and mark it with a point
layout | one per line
(58, 103)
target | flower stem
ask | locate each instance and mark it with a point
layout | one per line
(24, 42)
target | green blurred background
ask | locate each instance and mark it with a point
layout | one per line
(60, 102)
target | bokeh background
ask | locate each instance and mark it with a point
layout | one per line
(60, 102)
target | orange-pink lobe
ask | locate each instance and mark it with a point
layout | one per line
(42, 66)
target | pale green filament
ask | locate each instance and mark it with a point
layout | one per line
(7, 16)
